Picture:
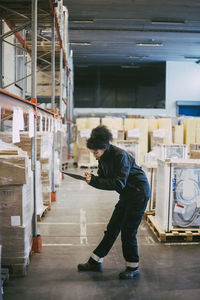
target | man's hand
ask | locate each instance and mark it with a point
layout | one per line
(88, 177)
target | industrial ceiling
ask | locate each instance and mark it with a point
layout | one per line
(131, 32)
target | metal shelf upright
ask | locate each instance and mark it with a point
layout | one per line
(32, 29)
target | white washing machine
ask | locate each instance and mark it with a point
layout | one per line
(173, 151)
(186, 197)
(178, 194)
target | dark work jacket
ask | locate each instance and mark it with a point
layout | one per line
(118, 171)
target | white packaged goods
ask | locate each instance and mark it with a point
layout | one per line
(39, 196)
(87, 123)
(16, 211)
(46, 180)
(173, 151)
(178, 194)
(137, 131)
(167, 151)
(113, 123)
(189, 131)
(178, 134)
(166, 125)
(13, 169)
(44, 142)
(195, 154)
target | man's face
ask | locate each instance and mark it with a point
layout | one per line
(97, 153)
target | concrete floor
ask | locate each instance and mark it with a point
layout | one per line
(73, 228)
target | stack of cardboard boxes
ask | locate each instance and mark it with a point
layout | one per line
(16, 209)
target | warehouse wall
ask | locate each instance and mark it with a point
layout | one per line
(182, 83)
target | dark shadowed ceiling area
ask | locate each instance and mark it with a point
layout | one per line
(131, 32)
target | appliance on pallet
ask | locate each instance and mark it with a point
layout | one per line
(178, 194)
(173, 151)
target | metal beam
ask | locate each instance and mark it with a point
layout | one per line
(14, 29)
(18, 36)
(1, 55)
(53, 65)
(53, 103)
(14, 45)
(14, 12)
(33, 95)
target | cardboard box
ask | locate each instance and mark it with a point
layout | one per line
(13, 169)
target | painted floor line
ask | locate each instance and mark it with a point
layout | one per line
(70, 223)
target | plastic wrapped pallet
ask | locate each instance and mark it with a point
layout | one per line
(115, 125)
(16, 211)
(129, 124)
(85, 158)
(177, 134)
(195, 154)
(194, 146)
(152, 125)
(44, 142)
(46, 180)
(87, 123)
(137, 131)
(82, 137)
(81, 123)
(178, 194)
(189, 131)
(166, 125)
(39, 196)
(197, 136)
(142, 124)
(13, 169)
(157, 137)
(58, 174)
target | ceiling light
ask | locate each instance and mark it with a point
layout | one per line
(81, 43)
(192, 57)
(130, 67)
(168, 22)
(82, 21)
(149, 44)
(80, 56)
(137, 56)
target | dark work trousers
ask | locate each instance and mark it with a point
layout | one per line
(126, 218)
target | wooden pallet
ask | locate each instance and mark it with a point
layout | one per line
(148, 213)
(175, 235)
(18, 269)
(42, 213)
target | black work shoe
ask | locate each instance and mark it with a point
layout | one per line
(90, 267)
(129, 273)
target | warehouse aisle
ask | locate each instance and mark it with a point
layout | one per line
(72, 229)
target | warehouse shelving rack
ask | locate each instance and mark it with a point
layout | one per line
(35, 25)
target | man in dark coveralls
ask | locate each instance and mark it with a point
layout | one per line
(118, 171)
